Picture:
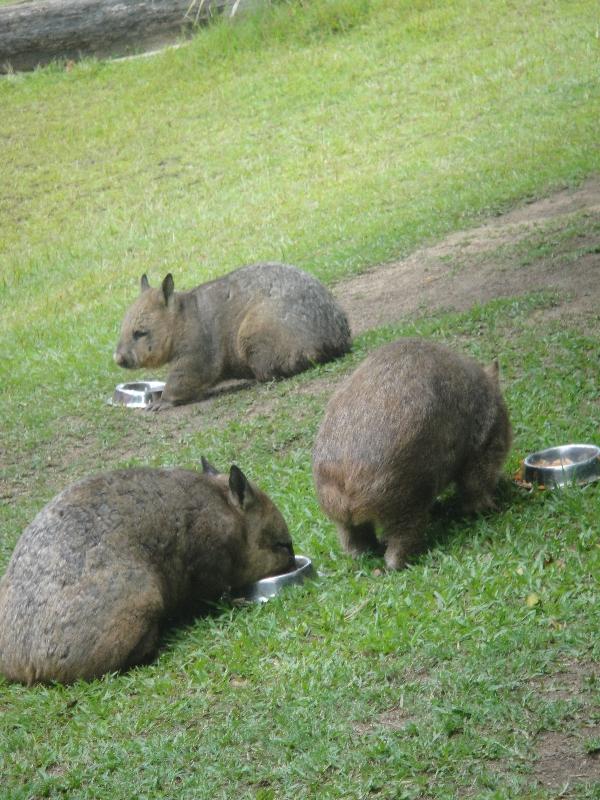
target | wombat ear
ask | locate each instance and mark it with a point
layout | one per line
(493, 371)
(207, 467)
(168, 287)
(144, 283)
(240, 490)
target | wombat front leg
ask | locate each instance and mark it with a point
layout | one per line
(358, 539)
(476, 496)
(479, 478)
(185, 384)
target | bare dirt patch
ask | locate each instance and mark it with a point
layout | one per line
(395, 719)
(565, 759)
(573, 680)
(532, 247)
(563, 762)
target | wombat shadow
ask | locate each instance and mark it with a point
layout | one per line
(447, 519)
(231, 386)
(180, 627)
(223, 389)
(447, 516)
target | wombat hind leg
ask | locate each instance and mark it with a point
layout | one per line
(146, 646)
(358, 539)
(268, 363)
(130, 634)
(117, 651)
(404, 540)
(274, 349)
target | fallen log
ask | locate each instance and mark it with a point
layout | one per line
(37, 32)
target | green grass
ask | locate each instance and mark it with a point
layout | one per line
(331, 134)
(285, 700)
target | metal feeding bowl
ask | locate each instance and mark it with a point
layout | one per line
(263, 590)
(138, 394)
(558, 466)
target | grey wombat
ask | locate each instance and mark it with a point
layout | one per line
(414, 417)
(262, 321)
(112, 556)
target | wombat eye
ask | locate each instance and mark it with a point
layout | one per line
(139, 334)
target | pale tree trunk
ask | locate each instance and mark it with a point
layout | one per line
(36, 32)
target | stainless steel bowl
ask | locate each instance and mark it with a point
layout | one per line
(263, 590)
(138, 394)
(558, 466)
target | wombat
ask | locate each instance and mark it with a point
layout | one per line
(113, 556)
(262, 321)
(413, 418)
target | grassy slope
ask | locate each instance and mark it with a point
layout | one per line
(330, 150)
(284, 701)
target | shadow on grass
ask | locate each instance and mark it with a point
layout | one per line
(447, 517)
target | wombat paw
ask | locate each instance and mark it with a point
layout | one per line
(479, 506)
(395, 560)
(159, 405)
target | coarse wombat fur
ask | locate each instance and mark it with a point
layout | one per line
(111, 557)
(413, 418)
(262, 321)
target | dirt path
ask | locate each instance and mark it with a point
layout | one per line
(551, 244)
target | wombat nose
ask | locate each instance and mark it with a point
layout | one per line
(120, 359)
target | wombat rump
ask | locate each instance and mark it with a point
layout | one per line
(262, 321)
(413, 418)
(111, 557)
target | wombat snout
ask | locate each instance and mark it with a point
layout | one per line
(122, 360)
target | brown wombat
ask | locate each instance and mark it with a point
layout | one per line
(262, 321)
(111, 557)
(414, 417)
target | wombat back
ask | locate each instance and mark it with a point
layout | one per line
(299, 301)
(98, 570)
(413, 418)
